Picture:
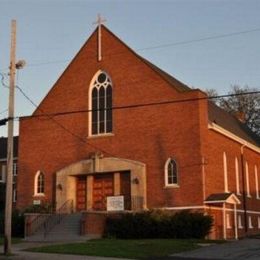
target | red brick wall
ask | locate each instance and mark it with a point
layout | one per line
(214, 171)
(149, 134)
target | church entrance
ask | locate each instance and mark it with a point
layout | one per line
(81, 193)
(88, 183)
(103, 186)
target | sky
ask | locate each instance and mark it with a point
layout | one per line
(166, 32)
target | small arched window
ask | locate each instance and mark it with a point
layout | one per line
(39, 183)
(101, 104)
(171, 173)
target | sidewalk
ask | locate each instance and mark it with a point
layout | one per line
(248, 249)
(18, 254)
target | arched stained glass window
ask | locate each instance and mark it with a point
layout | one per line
(39, 183)
(101, 104)
(171, 173)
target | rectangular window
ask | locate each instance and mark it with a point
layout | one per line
(3, 173)
(250, 224)
(228, 221)
(15, 169)
(225, 172)
(237, 176)
(14, 194)
(247, 182)
(256, 183)
(240, 225)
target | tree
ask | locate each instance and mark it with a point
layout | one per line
(246, 107)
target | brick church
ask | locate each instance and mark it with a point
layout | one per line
(118, 133)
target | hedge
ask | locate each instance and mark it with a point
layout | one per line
(17, 223)
(159, 224)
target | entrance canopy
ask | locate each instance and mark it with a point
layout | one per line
(217, 198)
(89, 182)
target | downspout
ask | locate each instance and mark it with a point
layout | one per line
(224, 221)
(244, 192)
(203, 179)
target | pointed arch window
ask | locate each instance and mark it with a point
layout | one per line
(39, 183)
(101, 104)
(171, 173)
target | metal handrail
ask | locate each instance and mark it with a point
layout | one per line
(56, 218)
(36, 223)
(49, 220)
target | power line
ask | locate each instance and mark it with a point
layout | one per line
(50, 116)
(166, 45)
(166, 102)
(4, 111)
(63, 127)
(208, 38)
(2, 80)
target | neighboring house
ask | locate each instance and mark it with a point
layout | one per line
(163, 145)
(3, 164)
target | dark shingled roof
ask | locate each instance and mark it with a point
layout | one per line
(224, 119)
(3, 147)
(178, 85)
(218, 197)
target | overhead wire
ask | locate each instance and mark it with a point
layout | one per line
(4, 111)
(62, 126)
(137, 105)
(166, 45)
(165, 102)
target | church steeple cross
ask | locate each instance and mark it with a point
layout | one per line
(99, 22)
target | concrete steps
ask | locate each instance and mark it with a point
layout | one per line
(67, 230)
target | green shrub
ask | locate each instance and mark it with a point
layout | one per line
(159, 224)
(42, 208)
(17, 223)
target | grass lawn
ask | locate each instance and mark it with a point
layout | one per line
(137, 249)
(15, 240)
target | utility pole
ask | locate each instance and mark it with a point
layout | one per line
(9, 178)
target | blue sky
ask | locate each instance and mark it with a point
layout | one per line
(50, 32)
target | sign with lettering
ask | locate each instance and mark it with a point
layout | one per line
(115, 203)
(36, 202)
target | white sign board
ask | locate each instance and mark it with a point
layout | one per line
(36, 202)
(115, 203)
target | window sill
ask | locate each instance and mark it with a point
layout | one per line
(100, 135)
(171, 186)
(39, 195)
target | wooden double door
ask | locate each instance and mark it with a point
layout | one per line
(103, 186)
(81, 193)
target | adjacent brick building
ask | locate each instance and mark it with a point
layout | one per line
(3, 165)
(163, 145)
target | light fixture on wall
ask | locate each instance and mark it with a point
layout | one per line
(135, 180)
(59, 187)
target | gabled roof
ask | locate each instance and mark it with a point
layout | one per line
(224, 119)
(178, 85)
(216, 114)
(3, 147)
(222, 198)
